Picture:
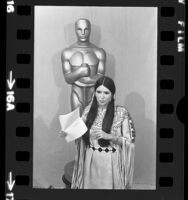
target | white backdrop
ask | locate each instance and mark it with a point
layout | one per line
(129, 37)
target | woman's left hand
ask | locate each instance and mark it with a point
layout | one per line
(102, 135)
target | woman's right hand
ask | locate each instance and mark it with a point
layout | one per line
(62, 134)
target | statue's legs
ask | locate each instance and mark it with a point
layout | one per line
(76, 97)
(88, 91)
(81, 96)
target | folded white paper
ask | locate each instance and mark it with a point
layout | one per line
(73, 125)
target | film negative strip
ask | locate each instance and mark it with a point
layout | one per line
(144, 43)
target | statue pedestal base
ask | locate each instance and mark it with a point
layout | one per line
(67, 176)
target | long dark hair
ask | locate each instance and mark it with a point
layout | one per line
(109, 115)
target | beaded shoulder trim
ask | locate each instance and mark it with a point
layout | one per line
(121, 113)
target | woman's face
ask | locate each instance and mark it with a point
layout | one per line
(103, 95)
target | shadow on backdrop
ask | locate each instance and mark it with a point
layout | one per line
(145, 156)
(110, 65)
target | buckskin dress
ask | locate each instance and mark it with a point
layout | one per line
(106, 169)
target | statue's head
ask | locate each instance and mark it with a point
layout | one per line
(83, 29)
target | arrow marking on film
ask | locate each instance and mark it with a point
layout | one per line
(10, 81)
(10, 182)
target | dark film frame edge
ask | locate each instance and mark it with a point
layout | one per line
(81, 192)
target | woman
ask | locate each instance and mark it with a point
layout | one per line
(105, 157)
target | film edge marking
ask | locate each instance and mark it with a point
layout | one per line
(180, 37)
(181, 1)
(10, 184)
(10, 99)
(10, 6)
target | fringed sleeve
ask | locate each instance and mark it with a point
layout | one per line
(127, 151)
(77, 177)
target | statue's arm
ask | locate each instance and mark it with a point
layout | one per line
(71, 76)
(101, 55)
(102, 61)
